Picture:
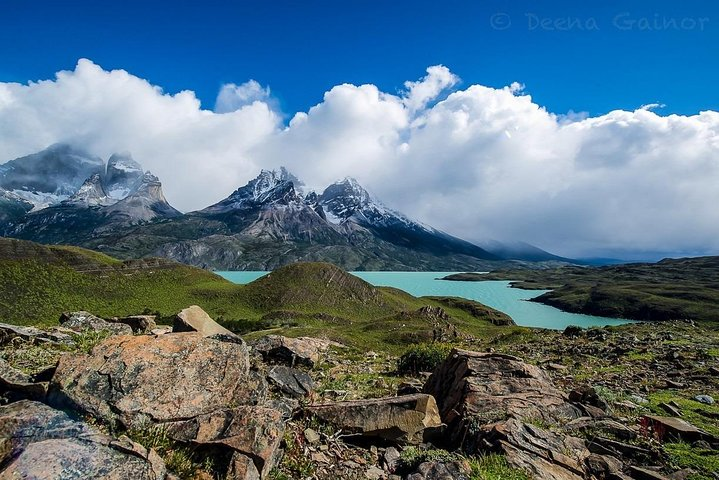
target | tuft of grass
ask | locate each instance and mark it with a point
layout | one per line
(704, 462)
(179, 459)
(424, 357)
(413, 457)
(495, 467)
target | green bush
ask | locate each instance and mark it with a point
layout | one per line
(423, 357)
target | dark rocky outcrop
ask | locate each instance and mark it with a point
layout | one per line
(138, 323)
(291, 381)
(303, 351)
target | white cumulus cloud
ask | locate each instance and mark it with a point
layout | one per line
(478, 162)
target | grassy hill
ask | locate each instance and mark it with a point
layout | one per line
(39, 282)
(685, 288)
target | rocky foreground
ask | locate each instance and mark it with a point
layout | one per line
(125, 398)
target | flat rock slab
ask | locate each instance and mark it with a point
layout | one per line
(672, 427)
(401, 419)
(44, 443)
(85, 321)
(159, 378)
(195, 319)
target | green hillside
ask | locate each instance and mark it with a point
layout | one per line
(39, 282)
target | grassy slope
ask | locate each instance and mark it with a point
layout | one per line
(670, 289)
(37, 283)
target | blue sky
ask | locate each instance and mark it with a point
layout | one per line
(592, 56)
(407, 97)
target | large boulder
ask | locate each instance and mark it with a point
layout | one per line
(195, 319)
(473, 388)
(251, 432)
(398, 419)
(304, 351)
(37, 441)
(158, 378)
(85, 321)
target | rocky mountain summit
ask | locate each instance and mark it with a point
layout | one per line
(195, 400)
(64, 195)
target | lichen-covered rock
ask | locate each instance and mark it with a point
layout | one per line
(195, 319)
(401, 419)
(161, 378)
(37, 441)
(86, 321)
(254, 432)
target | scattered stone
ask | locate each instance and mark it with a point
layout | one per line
(161, 330)
(556, 366)
(374, 473)
(85, 321)
(617, 429)
(714, 371)
(588, 395)
(401, 419)
(292, 351)
(638, 399)
(138, 323)
(670, 409)
(165, 378)
(705, 399)
(604, 466)
(319, 457)
(195, 319)
(606, 446)
(242, 468)
(291, 381)
(626, 404)
(391, 459)
(312, 436)
(675, 385)
(41, 442)
(255, 432)
(438, 470)
(640, 473)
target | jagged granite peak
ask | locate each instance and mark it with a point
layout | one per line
(270, 186)
(123, 175)
(90, 194)
(146, 203)
(51, 175)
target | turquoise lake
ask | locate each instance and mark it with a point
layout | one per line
(495, 294)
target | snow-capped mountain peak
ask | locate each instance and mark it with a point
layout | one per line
(90, 194)
(123, 175)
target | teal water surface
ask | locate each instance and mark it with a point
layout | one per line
(495, 294)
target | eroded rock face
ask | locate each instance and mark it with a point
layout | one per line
(195, 319)
(158, 378)
(253, 432)
(473, 388)
(37, 441)
(545, 454)
(402, 419)
(84, 321)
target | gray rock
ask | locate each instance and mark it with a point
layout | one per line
(291, 381)
(303, 351)
(438, 470)
(312, 436)
(138, 323)
(705, 399)
(16, 385)
(84, 321)
(41, 442)
(31, 334)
